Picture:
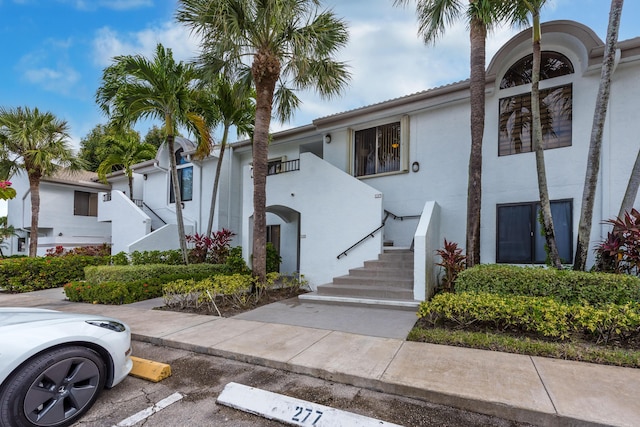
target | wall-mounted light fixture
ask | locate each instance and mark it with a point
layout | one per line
(327, 138)
(415, 166)
(60, 234)
(144, 176)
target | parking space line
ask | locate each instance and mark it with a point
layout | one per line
(146, 413)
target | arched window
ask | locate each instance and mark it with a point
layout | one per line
(515, 130)
(552, 64)
(185, 178)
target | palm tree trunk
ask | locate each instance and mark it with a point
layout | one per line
(216, 180)
(545, 203)
(34, 189)
(265, 71)
(130, 177)
(632, 189)
(178, 198)
(595, 144)
(478, 34)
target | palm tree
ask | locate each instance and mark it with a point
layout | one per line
(595, 145)
(234, 105)
(518, 12)
(35, 142)
(433, 17)
(286, 41)
(125, 150)
(135, 88)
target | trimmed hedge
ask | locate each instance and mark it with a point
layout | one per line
(132, 273)
(568, 286)
(114, 292)
(545, 316)
(32, 274)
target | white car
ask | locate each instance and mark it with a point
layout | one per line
(53, 365)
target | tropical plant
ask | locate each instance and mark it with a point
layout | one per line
(234, 106)
(213, 248)
(595, 144)
(453, 262)
(620, 251)
(6, 191)
(285, 42)
(35, 143)
(482, 16)
(6, 231)
(125, 150)
(135, 88)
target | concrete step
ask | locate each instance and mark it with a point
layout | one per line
(392, 282)
(366, 291)
(405, 264)
(403, 273)
(409, 305)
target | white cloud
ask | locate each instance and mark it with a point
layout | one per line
(108, 4)
(50, 68)
(109, 43)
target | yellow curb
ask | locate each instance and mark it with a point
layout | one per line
(149, 370)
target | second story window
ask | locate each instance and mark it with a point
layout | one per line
(377, 150)
(515, 117)
(185, 179)
(85, 203)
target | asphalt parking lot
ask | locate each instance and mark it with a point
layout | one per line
(201, 378)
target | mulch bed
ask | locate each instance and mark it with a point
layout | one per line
(229, 309)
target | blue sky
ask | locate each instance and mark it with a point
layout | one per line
(54, 51)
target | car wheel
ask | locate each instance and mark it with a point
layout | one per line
(53, 389)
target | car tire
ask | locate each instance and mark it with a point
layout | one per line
(53, 389)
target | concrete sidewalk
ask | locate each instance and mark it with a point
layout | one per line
(536, 390)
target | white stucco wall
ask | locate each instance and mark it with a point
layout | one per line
(128, 222)
(335, 209)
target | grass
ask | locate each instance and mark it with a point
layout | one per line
(579, 351)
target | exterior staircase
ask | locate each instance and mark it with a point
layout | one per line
(385, 282)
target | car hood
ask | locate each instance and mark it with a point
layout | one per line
(20, 316)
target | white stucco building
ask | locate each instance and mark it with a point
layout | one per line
(394, 174)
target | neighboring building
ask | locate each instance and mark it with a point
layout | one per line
(394, 174)
(68, 212)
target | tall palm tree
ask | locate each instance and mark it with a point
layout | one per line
(35, 142)
(482, 15)
(125, 150)
(286, 41)
(233, 105)
(518, 13)
(595, 145)
(135, 88)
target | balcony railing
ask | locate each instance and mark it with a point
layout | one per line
(275, 168)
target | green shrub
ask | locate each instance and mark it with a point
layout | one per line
(542, 315)
(114, 292)
(565, 285)
(31, 274)
(234, 289)
(172, 257)
(121, 258)
(235, 261)
(131, 273)
(545, 316)
(273, 259)
(609, 322)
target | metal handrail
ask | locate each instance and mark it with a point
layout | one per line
(152, 211)
(372, 234)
